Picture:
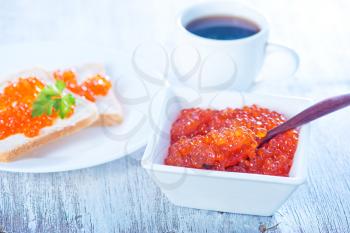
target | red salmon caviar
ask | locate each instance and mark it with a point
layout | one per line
(191, 122)
(94, 86)
(16, 109)
(194, 125)
(217, 149)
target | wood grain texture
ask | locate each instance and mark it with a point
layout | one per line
(119, 196)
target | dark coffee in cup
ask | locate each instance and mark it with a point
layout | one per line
(222, 27)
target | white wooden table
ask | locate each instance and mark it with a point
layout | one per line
(119, 196)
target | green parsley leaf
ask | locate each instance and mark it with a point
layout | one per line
(51, 97)
(37, 109)
(48, 91)
(57, 104)
(70, 99)
(60, 85)
(64, 106)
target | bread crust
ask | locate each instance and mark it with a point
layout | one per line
(44, 139)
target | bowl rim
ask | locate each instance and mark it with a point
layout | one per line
(148, 163)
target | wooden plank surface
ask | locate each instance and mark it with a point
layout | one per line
(119, 196)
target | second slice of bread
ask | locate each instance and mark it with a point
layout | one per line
(109, 108)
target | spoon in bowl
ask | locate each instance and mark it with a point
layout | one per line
(312, 113)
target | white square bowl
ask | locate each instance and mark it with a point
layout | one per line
(218, 190)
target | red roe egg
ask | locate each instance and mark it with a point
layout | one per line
(227, 139)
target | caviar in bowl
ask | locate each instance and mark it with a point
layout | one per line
(227, 190)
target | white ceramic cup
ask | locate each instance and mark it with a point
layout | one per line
(224, 64)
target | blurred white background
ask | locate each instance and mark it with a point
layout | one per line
(316, 29)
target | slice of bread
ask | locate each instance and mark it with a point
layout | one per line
(85, 114)
(109, 108)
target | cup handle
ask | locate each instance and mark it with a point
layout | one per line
(287, 56)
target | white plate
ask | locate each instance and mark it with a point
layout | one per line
(91, 146)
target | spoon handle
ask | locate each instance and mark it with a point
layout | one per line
(312, 113)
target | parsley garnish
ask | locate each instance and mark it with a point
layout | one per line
(52, 97)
